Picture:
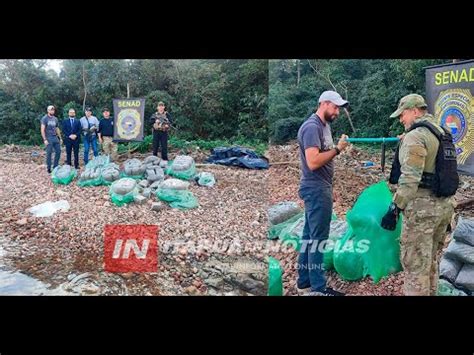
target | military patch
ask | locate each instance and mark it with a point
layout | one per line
(454, 110)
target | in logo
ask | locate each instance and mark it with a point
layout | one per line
(131, 248)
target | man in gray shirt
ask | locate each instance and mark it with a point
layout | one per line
(317, 151)
(51, 137)
(90, 127)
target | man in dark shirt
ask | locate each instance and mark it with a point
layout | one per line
(72, 130)
(51, 137)
(106, 134)
(317, 152)
(161, 123)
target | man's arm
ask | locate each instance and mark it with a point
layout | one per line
(99, 132)
(43, 133)
(316, 159)
(58, 132)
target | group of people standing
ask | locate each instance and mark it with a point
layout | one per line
(91, 131)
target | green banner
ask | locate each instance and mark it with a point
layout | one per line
(129, 120)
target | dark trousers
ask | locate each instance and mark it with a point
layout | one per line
(53, 145)
(160, 138)
(72, 146)
(318, 212)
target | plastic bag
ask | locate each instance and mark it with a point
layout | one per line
(182, 167)
(445, 288)
(465, 277)
(98, 161)
(464, 231)
(133, 168)
(63, 175)
(205, 179)
(49, 208)
(460, 251)
(290, 231)
(154, 173)
(91, 176)
(181, 199)
(110, 173)
(151, 161)
(275, 277)
(174, 184)
(283, 211)
(379, 249)
(338, 229)
(348, 261)
(449, 268)
(123, 191)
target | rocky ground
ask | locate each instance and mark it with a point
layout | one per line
(66, 250)
(351, 178)
(210, 250)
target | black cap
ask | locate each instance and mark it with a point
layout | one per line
(88, 108)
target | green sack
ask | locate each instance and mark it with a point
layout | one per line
(275, 277)
(121, 200)
(95, 181)
(62, 180)
(135, 177)
(205, 179)
(334, 240)
(445, 288)
(100, 160)
(290, 231)
(182, 199)
(347, 260)
(375, 250)
(183, 175)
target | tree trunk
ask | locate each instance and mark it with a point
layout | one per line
(298, 70)
(85, 87)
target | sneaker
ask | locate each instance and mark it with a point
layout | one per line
(303, 291)
(327, 292)
(330, 292)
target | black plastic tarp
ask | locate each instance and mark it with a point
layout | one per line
(237, 156)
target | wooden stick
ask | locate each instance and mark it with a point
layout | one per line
(285, 163)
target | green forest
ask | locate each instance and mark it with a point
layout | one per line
(213, 102)
(372, 86)
(210, 100)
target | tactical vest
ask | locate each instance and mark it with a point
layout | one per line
(445, 180)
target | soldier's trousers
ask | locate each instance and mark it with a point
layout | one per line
(160, 138)
(424, 230)
(110, 148)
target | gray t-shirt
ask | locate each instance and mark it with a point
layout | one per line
(51, 123)
(314, 133)
(92, 120)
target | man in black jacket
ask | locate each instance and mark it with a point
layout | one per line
(161, 123)
(72, 137)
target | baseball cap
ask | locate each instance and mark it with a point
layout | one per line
(407, 102)
(334, 97)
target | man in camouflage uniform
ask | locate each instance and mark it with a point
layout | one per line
(426, 216)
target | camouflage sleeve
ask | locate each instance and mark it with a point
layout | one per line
(412, 160)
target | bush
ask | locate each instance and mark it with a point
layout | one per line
(286, 129)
